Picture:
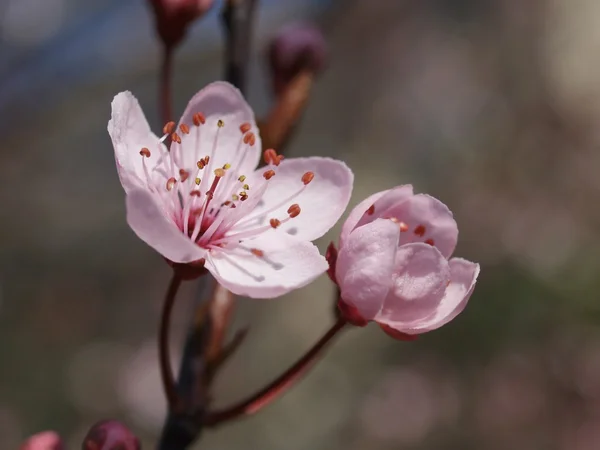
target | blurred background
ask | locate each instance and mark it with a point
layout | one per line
(490, 105)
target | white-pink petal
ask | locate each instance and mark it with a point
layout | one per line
(365, 266)
(322, 201)
(287, 263)
(421, 274)
(219, 101)
(130, 132)
(428, 220)
(152, 226)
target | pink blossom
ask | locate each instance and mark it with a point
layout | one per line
(204, 203)
(46, 440)
(393, 266)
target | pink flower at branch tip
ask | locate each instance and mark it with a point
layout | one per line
(202, 202)
(46, 440)
(393, 264)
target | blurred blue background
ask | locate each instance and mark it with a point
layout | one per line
(490, 105)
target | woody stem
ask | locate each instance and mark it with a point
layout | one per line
(166, 109)
(277, 387)
(168, 379)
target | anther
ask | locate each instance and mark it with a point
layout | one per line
(226, 203)
(252, 139)
(169, 128)
(198, 119)
(270, 156)
(145, 152)
(220, 123)
(184, 128)
(269, 174)
(430, 242)
(246, 139)
(243, 196)
(257, 252)
(245, 127)
(226, 166)
(371, 210)
(184, 174)
(403, 227)
(420, 230)
(175, 137)
(195, 193)
(307, 177)
(275, 222)
(197, 181)
(170, 183)
(246, 187)
(206, 159)
(235, 197)
(219, 173)
(242, 178)
(200, 164)
(294, 210)
(279, 159)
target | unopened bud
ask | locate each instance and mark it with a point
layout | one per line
(174, 16)
(46, 440)
(108, 435)
(296, 48)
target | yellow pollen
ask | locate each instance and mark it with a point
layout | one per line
(235, 197)
(226, 166)
(220, 123)
(219, 173)
(197, 181)
(242, 178)
(246, 187)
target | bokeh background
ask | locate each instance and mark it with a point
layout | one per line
(490, 105)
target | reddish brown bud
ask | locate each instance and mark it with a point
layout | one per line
(174, 16)
(110, 435)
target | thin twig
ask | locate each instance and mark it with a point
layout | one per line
(166, 107)
(166, 372)
(277, 387)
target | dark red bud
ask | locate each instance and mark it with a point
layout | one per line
(110, 435)
(351, 314)
(296, 48)
(174, 16)
(46, 440)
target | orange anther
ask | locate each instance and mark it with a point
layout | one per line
(294, 210)
(307, 177)
(145, 152)
(245, 127)
(270, 156)
(275, 222)
(198, 119)
(184, 128)
(169, 128)
(184, 174)
(257, 252)
(170, 183)
(420, 230)
(176, 138)
(252, 139)
(269, 174)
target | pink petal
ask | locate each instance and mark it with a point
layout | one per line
(421, 275)
(152, 226)
(130, 132)
(365, 266)
(219, 101)
(428, 220)
(373, 207)
(287, 263)
(322, 201)
(46, 440)
(463, 278)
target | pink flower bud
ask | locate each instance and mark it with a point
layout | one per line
(47, 440)
(108, 435)
(296, 48)
(393, 264)
(174, 16)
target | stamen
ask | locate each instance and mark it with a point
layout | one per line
(252, 140)
(226, 166)
(197, 181)
(243, 196)
(242, 178)
(275, 222)
(245, 127)
(184, 175)
(270, 156)
(247, 137)
(246, 187)
(145, 152)
(279, 159)
(269, 174)
(307, 177)
(200, 164)
(220, 123)
(169, 128)
(199, 119)
(257, 252)
(184, 128)
(171, 183)
(175, 137)
(430, 242)
(420, 230)
(235, 197)
(294, 210)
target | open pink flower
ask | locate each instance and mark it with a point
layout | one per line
(393, 266)
(203, 202)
